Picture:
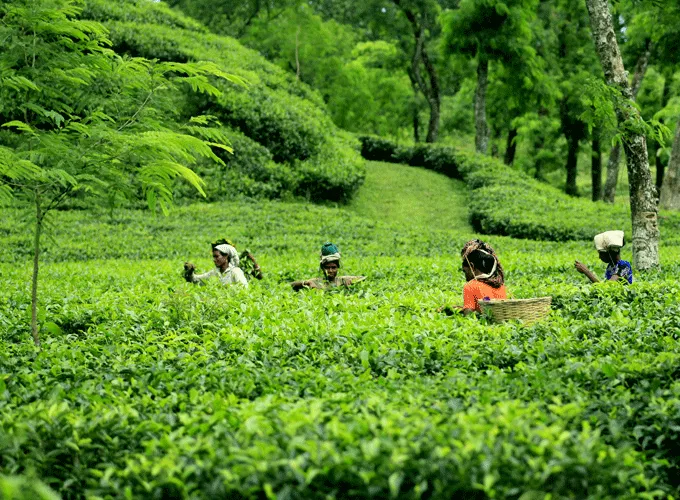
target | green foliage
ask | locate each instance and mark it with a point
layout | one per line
(249, 171)
(22, 488)
(274, 110)
(494, 29)
(154, 388)
(80, 120)
(503, 200)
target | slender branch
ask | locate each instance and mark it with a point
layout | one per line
(56, 201)
(36, 260)
(131, 120)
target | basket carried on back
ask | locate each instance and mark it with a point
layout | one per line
(526, 310)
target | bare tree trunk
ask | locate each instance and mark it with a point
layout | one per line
(495, 138)
(572, 159)
(642, 191)
(433, 98)
(660, 167)
(615, 154)
(510, 147)
(36, 258)
(430, 90)
(416, 116)
(670, 189)
(612, 174)
(596, 165)
(481, 126)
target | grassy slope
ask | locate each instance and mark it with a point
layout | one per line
(411, 196)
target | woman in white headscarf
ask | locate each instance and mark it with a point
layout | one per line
(226, 261)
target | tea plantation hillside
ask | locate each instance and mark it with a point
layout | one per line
(148, 387)
(285, 143)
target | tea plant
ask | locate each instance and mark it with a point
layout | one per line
(147, 386)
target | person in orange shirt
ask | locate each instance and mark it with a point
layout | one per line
(484, 275)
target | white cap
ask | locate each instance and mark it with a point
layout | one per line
(610, 240)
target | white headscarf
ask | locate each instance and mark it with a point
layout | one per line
(230, 252)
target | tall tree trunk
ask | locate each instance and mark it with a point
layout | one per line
(660, 167)
(596, 165)
(572, 161)
(429, 89)
(615, 154)
(481, 126)
(416, 114)
(36, 259)
(612, 174)
(510, 147)
(495, 138)
(433, 98)
(670, 189)
(642, 191)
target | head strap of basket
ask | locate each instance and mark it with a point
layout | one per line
(609, 241)
(495, 277)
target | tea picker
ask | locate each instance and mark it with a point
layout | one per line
(608, 245)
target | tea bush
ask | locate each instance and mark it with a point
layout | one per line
(306, 154)
(505, 201)
(150, 387)
(250, 171)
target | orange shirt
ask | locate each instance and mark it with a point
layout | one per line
(474, 291)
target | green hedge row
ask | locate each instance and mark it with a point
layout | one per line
(282, 127)
(503, 200)
(251, 171)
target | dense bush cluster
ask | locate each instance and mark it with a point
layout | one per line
(274, 110)
(149, 387)
(506, 201)
(249, 171)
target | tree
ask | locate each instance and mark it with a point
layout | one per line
(388, 20)
(79, 121)
(615, 153)
(489, 30)
(572, 62)
(651, 38)
(670, 190)
(232, 17)
(642, 191)
(422, 16)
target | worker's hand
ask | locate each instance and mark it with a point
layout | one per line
(580, 267)
(449, 310)
(189, 267)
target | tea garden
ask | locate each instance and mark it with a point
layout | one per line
(148, 387)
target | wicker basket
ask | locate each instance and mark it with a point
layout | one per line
(526, 310)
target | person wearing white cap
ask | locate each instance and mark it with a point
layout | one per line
(608, 245)
(226, 261)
